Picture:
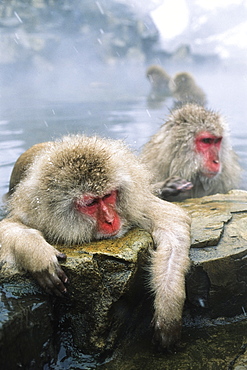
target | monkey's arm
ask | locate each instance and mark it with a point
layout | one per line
(170, 262)
(171, 187)
(27, 249)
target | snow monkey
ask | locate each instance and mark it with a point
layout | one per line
(79, 189)
(191, 156)
(159, 81)
(185, 90)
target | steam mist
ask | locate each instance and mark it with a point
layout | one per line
(73, 49)
(80, 66)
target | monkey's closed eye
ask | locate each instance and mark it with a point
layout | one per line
(91, 203)
(107, 196)
(207, 140)
(111, 197)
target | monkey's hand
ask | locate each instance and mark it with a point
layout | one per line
(172, 186)
(27, 249)
(166, 336)
(53, 282)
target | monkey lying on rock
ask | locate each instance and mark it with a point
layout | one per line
(82, 189)
(191, 155)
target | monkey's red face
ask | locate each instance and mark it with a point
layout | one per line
(208, 146)
(103, 210)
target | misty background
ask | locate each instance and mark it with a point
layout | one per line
(69, 66)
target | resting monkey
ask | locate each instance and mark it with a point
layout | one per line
(81, 189)
(185, 90)
(191, 155)
(159, 80)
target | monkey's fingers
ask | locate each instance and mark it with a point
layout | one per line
(167, 336)
(61, 256)
(175, 185)
(185, 185)
(52, 283)
(61, 274)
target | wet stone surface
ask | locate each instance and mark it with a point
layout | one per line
(218, 278)
(106, 285)
(26, 324)
(216, 345)
(241, 361)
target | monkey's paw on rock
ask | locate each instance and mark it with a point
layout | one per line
(106, 288)
(166, 336)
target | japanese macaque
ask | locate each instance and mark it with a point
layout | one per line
(81, 189)
(159, 81)
(22, 164)
(185, 90)
(191, 156)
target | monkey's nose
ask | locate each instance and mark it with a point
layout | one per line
(108, 215)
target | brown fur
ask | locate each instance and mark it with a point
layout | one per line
(185, 90)
(170, 152)
(22, 164)
(42, 213)
(159, 81)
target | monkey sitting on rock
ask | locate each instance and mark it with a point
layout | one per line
(191, 155)
(81, 189)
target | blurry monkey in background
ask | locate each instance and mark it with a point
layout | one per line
(191, 155)
(185, 90)
(82, 189)
(160, 89)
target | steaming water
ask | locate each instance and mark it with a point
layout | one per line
(114, 109)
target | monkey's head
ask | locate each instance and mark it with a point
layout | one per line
(84, 188)
(182, 81)
(199, 136)
(157, 76)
